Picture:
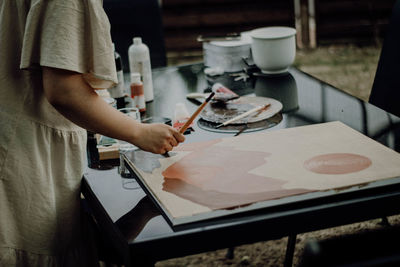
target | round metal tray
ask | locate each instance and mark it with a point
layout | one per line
(239, 128)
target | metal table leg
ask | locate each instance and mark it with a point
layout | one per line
(290, 250)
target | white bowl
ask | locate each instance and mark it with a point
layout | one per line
(273, 48)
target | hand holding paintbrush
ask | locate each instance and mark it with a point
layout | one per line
(194, 115)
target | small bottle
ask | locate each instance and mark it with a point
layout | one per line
(181, 116)
(137, 92)
(139, 61)
(118, 92)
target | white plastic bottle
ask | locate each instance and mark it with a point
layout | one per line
(139, 61)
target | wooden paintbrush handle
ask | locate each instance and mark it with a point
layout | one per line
(194, 115)
(247, 113)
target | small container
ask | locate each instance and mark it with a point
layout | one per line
(181, 116)
(137, 92)
(128, 180)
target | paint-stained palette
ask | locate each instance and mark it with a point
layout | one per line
(211, 179)
(219, 112)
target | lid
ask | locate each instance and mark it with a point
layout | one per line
(135, 77)
(223, 50)
(137, 40)
(273, 32)
(233, 43)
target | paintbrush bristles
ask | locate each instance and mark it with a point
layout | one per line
(209, 97)
(197, 112)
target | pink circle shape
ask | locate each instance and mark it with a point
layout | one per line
(337, 163)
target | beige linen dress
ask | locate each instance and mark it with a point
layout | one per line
(42, 154)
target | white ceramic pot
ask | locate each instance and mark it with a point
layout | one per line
(273, 48)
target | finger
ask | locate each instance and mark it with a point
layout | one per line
(178, 136)
(173, 142)
(168, 147)
(162, 151)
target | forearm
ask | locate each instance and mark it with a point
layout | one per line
(78, 102)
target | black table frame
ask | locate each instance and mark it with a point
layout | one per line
(294, 219)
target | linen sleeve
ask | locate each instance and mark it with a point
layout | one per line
(73, 35)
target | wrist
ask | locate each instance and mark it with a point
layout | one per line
(136, 131)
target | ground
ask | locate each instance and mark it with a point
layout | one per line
(270, 253)
(349, 68)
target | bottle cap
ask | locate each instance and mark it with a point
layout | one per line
(137, 40)
(135, 77)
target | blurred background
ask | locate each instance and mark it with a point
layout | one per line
(338, 41)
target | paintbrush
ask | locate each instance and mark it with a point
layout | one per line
(241, 116)
(197, 112)
(190, 120)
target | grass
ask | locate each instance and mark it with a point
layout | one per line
(347, 67)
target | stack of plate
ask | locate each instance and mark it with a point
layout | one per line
(227, 54)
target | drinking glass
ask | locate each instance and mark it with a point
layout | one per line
(128, 181)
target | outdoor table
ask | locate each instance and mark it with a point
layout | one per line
(139, 234)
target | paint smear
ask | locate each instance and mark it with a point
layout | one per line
(219, 200)
(337, 163)
(218, 177)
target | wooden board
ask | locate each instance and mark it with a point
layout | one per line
(108, 152)
(210, 179)
(107, 147)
